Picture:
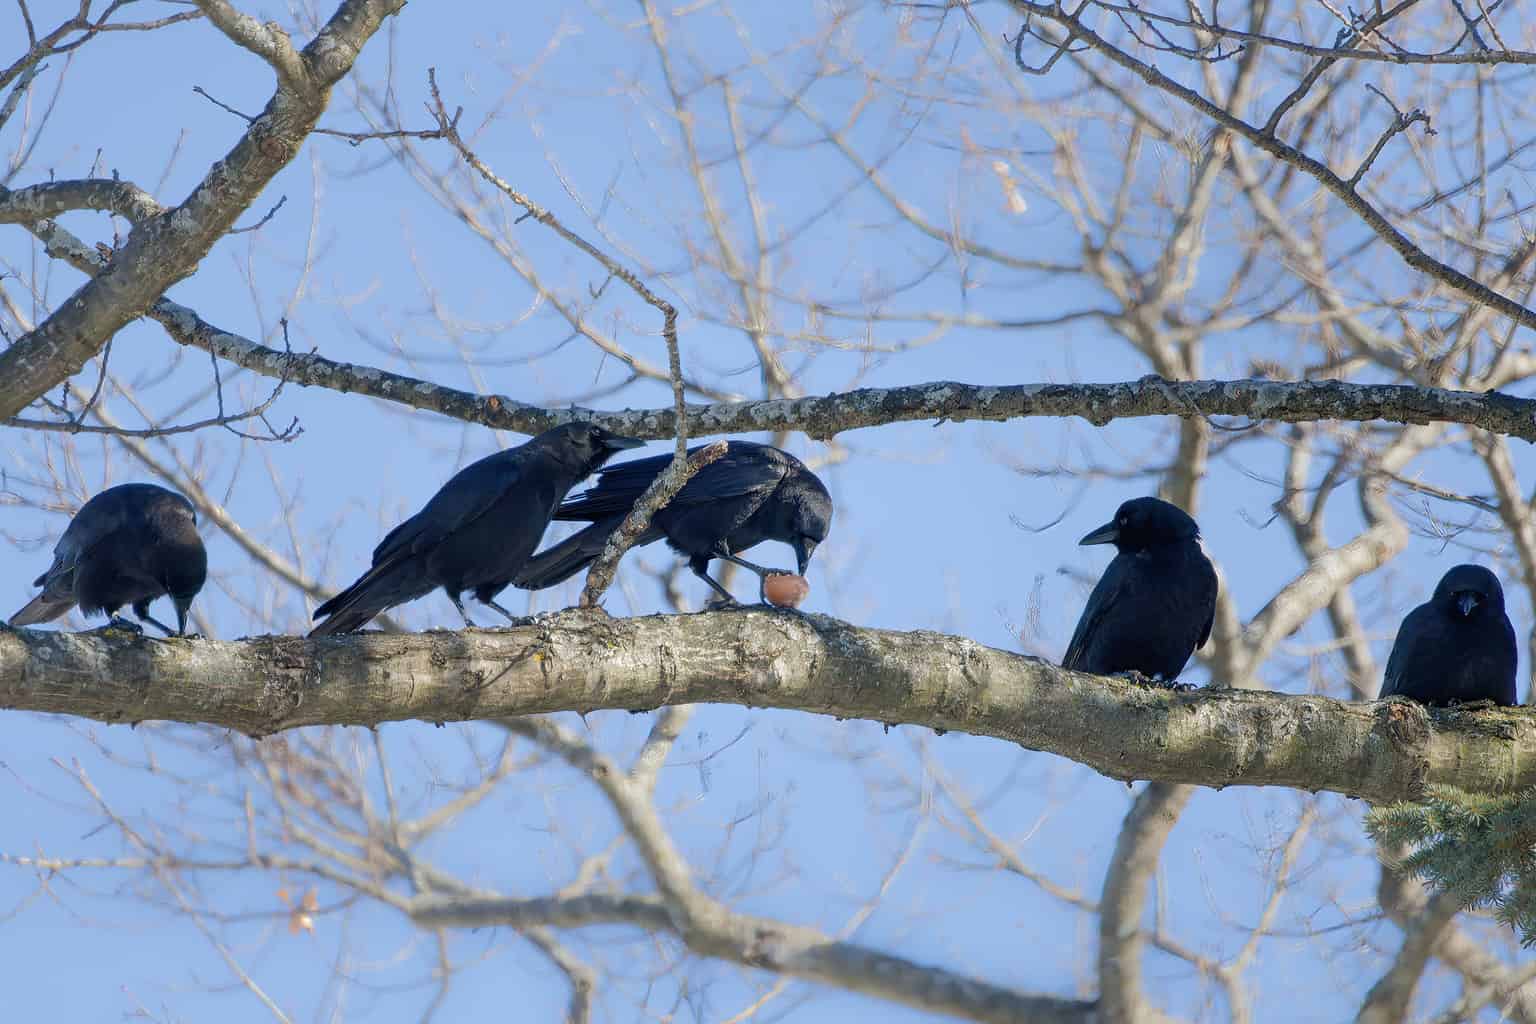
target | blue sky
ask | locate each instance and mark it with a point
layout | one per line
(925, 535)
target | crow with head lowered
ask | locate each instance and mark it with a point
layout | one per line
(1156, 601)
(128, 545)
(1458, 646)
(752, 493)
(475, 533)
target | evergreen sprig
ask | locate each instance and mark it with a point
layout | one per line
(1481, 848)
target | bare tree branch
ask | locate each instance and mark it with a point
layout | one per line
(106, 195)
(775, 946)
(266, 40)
(710, 927)
(165, 249)
(1266, 140)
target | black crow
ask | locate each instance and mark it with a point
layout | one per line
(1458, 646)
(128, 545)
(752, 493)
(1155, 603)
(478, 530)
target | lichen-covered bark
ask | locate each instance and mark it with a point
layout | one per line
(824, 416)
(585, 661)
(104, 195)
(165, 248)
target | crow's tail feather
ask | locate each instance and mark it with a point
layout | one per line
(42, 608)
(559, 563)
(377, 590)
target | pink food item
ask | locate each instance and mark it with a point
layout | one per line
(785, 589)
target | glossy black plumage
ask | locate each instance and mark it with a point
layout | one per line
(752, 493)
(128, 545)
(1457, 646)
(478, 530)
(1156, 601)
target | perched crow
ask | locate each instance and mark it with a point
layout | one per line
(475, 533)
(752, 493)
(1155, 603)
(1458, 646)
(128, 545)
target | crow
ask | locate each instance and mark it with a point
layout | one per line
(128, 545)
(1154, 604)
(475, 533)
(752, 493)
(1458, 646)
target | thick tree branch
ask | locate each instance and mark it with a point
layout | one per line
(266, 40)
(39, 202)
(576, 661)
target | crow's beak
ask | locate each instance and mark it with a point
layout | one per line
(1106, 534)
(613, 442)
(1466, 601)
(804, 548)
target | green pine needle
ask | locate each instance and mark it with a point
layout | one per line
(1476, 846)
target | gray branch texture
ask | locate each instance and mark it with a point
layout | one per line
(586, 661)
(824, 416)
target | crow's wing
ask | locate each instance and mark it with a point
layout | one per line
(466, 497)
(743, 470)
(1105, 593)
(1208, 571)
(1205, 631)
(1409, 635)
(97, 519)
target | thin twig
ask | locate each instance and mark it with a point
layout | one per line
(261, 223)
(682, 467)
(1401, 122)
(656, 496)
(205, 94)
(358, 138)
